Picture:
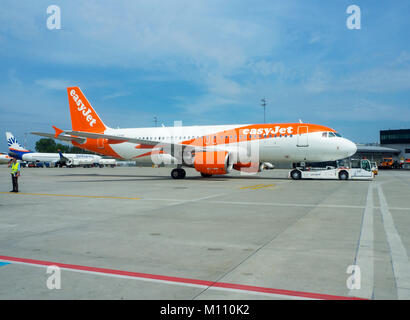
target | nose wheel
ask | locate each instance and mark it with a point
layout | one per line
(296, 175)
(178, 173)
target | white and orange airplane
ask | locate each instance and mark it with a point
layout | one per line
(4, 158)
(211, 150)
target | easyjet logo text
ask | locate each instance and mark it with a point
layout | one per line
(266, 131)
(83, 109)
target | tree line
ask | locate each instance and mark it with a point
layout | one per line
(50, 146)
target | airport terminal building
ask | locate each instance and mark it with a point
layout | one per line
(375, 153)
(393, 143)
(397, 139)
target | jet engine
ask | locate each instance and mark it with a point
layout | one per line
(212, 162)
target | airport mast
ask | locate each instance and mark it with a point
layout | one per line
(263, 104)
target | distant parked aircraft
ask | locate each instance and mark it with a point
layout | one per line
(68, 159)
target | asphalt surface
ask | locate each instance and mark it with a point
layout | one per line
(135, 233)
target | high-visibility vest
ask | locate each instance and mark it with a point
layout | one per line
(15, 167)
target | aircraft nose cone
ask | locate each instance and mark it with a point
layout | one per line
(350, 148)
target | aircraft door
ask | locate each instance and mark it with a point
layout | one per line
(302, 137)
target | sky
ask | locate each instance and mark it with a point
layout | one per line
(206, 62)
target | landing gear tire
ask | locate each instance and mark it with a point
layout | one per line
(206, 175)
(343, 175)
(178, 174)
(296, 175)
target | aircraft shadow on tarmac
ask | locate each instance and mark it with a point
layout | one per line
(152, 178)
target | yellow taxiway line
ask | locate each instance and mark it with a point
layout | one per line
(71, 195)
(258, 186)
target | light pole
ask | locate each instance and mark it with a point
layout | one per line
(263, 104)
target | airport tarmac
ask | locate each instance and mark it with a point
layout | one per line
(135, 233)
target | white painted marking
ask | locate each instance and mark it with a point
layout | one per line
(399, 258)
(365, 254)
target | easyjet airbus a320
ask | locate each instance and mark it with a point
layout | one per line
(211, 150)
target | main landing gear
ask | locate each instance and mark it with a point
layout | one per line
(178, 173)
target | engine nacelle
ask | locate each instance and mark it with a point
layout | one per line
(212, 162)
(253, 167)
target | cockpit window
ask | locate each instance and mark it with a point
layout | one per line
(330, 134)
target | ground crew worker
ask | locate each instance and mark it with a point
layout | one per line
(15, 173)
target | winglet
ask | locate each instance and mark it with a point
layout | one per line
(58, 131)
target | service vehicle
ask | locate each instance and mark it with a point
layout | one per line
(406, 164)
(375, 169)
(107, 163)
(358, 169)
(387, 163)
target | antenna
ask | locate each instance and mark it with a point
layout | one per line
(263, 104)
(25, 140)
(155, 120)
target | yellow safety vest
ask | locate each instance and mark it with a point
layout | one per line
(15, 167)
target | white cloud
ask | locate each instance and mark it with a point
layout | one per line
(266, 68)
(318, 81)
(118, 94)
(352, 109)
(379, 79)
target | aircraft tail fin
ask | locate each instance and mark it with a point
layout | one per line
(83, 116)
(15, 148)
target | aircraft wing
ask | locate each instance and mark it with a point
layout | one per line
(158, 144)
(174, 148)
(60, 137)
(177, 150)
(92, 135)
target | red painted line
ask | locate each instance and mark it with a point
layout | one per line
(205, 283)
